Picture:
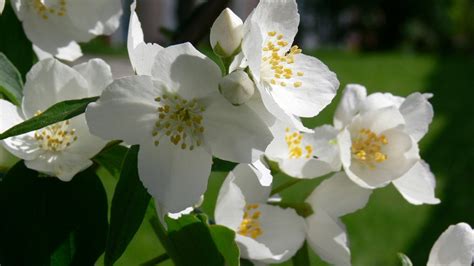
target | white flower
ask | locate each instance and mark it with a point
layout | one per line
(226, 33)
(54, 27)
(326, 234)
(65, 148)
(379, 141)
(237, 87)
(7, 160)
(454, 247)
(304, 155)
(141, 54)
(2, 5)
(291, 84)
(180, 121)
(265, 233)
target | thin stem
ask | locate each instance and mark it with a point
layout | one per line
(156, 260)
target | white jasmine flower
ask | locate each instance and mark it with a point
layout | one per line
(409, 117)
(454, 247)
(302, 154)
(180, 121)
(65, 148)
(226, 33)
(237, 87)
(332, 199)
(265, 233)
(141, 54)
(290, 83)
(55, 26)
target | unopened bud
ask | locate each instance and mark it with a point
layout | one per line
(7, 160)
(237, 87)
(226, 33)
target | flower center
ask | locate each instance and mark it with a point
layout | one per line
(179, 120)
(55, 137)
(250, 225)
(367, 147)
(44, 10)
(295, 147)
(277, 67)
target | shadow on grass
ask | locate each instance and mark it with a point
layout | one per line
(451, 152)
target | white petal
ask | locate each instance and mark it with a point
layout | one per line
(50, 82)
(2, 5)
(234, 133)
(318, 87)
(283, 233)
(418, 114)
(305, 168)
(378, 120)
(380, 100)
(328, 238)
(417, 186)
(186, 71)
(22, 146)
(246, 178)
(338, 196)
(97, 73)
(126, 110)
(86, 145)
(256, 104)
(254, 250)
(69, 52)
(176, 178)
(454, 247)
(142, 55)
(63, 165)
(227, 32)
(324, 142)
(349, 106)
(230, 205)
(96, 17)
(277, 111)
(264, 174)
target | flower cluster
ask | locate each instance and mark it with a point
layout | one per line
(183, 111)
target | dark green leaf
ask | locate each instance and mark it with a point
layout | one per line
(39, 214)
(111, 158)
(14, 43)
(11, 84)
(129, 206)
(56, 113)
(197, 243)
(301, 258)
(219, 165)
(224, 239)
(64, 254)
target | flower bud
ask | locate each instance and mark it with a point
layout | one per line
(2, 5)
(7, 160)
(226, 34)
(237, 87)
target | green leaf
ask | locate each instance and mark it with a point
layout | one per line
(39, 214)
(301, 258)
(64, 254)
(219, 165)
(225, 242)
(14, 43)
(196, 243)
(111, 158)
(11, 84)
(56, 113)
(128, 209)
(404, 259)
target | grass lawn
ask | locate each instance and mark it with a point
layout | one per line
(388, 224)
